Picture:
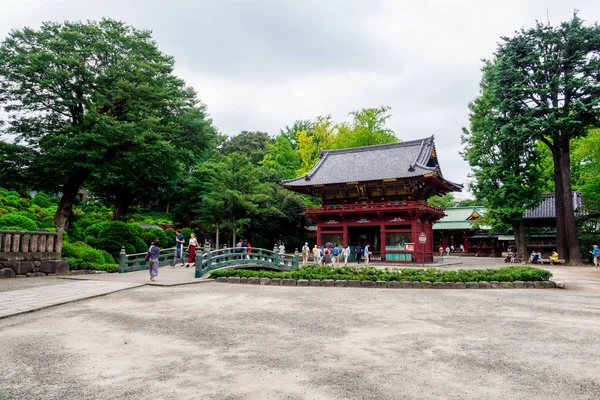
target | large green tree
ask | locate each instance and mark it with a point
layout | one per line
(505, 164)
(546, 83)
(444, 201)
(85, 95)
(15, 167)
(252, 144)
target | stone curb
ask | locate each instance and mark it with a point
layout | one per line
(395, 284)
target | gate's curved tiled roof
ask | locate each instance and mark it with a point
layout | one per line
(371, 163)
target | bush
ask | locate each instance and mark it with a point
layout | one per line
(17, 221)
(94, 230)
(140, 245)
(148, 237)
(186, 232)
(161, 236)
(41, 200)
(507, 274)
(170, 234)
(83, 252)
(112, 235)
(75, 264)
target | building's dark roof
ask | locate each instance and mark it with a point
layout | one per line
(414, 158)
(547, 208)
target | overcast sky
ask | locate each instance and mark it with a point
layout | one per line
(261, 65)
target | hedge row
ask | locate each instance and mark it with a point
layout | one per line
(506, 274)
(76, 264)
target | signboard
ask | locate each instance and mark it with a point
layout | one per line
(422, 238)
(410, 247)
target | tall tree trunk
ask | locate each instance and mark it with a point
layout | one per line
(519, 233)
(233, 229)
(562, 245)
(572, 253)
(62, 218)
(123, 200)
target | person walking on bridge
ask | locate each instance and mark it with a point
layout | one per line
(152, 258)
(191, 249)
(179, 241)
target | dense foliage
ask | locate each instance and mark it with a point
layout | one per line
(542, 86)
(99, 104)
(507, 274)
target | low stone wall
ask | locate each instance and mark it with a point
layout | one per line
(22, 269)
(394, 284)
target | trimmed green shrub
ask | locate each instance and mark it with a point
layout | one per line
(41, 200)
(94, 230)
(17, 221)
(186, 232)
(108, 259)
(506, 274)
(161, 236)
(112, 235)
(75, 264)
(148, 237)
(170, 234)
(140, 245)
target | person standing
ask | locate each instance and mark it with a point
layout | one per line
(314, 252)
(281, 253)
(152, 257)
(319, 255)
(596, 254)
(346, 254)
(367, 254)
(462, 248)
(441, 250)
(179, 241)
(244, 249)
(191, 249)
(359, 252)
(327, 256)
(447, 250)
(305, 253)
(336, 255)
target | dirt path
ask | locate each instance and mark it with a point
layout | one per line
(223, 341)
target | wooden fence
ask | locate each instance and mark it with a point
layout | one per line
(30, 246)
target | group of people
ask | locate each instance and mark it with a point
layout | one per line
(450, 249)
(511, 256)
(154, 252)
(325, 255)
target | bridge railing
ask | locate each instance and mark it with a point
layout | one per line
(137, 261)
(219, 258)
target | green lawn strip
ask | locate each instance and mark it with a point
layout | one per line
(506, 274)
(76, 264)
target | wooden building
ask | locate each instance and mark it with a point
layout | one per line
(377, 195)
(460, 226)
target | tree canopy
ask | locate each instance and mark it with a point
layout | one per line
(87, 94)
(543, 86)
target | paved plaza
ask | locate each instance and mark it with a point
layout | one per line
(224, 341)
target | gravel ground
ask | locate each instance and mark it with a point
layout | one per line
(224, 341)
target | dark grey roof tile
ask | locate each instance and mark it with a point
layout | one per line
(369, 163)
